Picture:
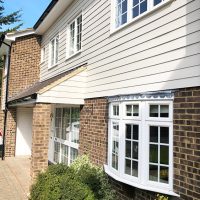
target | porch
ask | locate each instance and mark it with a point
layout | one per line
(15, 178)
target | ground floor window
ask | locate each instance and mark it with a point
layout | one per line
(66, 134)
(140, 146)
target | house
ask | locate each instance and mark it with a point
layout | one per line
(118, 80)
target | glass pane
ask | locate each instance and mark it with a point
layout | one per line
(135, 11)
(135, 168)
(164, 174)
(128, 149)
(128, 131)
(115, 129)
(56, 50)
(52, 52)
(135, 110)
(164, 111)
(129, 110)
(143, 7)
(124, 6)
(157, 2)
(164, 155)
(154, 134)
(56, 152)
(73, 154)
(115, 161)
(153, 110)
(127, 166)
(116, 110)
(64, 154)
(135, 150)
(135, 2)
(153, 154)
(135, 132)
(164, 135)
(153, 172)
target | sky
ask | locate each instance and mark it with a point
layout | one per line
(31, 10)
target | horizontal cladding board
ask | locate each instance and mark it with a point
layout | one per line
(164, 44)
(165, 76)
(169, 84)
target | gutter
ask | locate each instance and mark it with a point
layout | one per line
(6, 97)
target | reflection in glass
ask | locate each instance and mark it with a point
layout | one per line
(154, 134)
(164, 155)
(135, 150)
(128, 131)
(153, 110)
(128, 166)
(164, 135)
(73, 154)
(164, 110)
(153, 172)
(164, 174)
(135, 168)
(128, 149)
(153, 154)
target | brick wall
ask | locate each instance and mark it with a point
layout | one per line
(24, 66)
(93, 130)
(187, 143)
(93, 141)
(10, 133)
(40, 138)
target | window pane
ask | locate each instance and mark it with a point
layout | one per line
(128, 131)
(164, 174)
(135, 150)
(121, 12)
(64, 154)
(56, 50)
(135, 132)
(56, 152)
(135, 168)
(72, 38)
(116, 110)
(135, 2)
(164, 155)
(164, 135)
(73, 154)
(156, 2)
(129, 110)
(153, 172)
(127, 166)
(135, 11)
(52, 52)
(143, 7)
(154, 134)
(164, 111)
(115, 144)
(153, 154)
(79, 32)
(128, 149)
(135, 110)
(153, 110)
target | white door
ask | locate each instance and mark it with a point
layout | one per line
(24, 131)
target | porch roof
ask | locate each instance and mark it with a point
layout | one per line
(40, 88)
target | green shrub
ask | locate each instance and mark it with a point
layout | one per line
(161, 197)
(80, 181)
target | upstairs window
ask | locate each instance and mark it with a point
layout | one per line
(127, 10)
(43, 51)
(54, 45)
(75, 36)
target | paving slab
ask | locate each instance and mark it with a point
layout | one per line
(15, 178)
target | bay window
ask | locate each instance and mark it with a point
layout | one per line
(66, 134)
(125, 11)
(140, 144)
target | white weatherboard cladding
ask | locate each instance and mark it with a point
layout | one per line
(157, 52)
(71, 91)
(24, 131)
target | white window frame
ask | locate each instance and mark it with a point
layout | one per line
(68, 143)
(142, 181)
(43, 54)
(150, 8)
(68, 55)
(55, 52)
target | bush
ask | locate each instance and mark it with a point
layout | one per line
(80, 181)
(161, 197)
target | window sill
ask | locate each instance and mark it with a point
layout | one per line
(134, 20)
(137, 185)
(53, 66)
(73, 55)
